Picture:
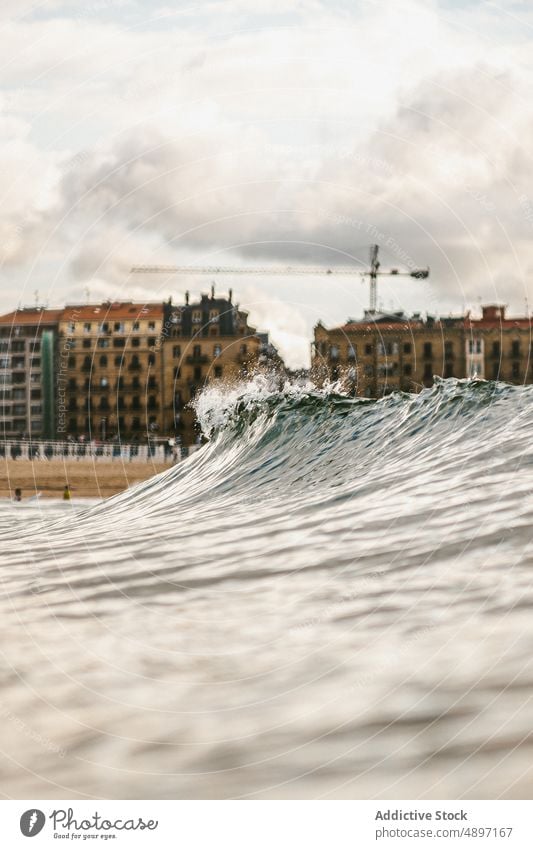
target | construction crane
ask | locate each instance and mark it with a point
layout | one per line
(373, 272)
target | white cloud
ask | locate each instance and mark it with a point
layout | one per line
(250, 132)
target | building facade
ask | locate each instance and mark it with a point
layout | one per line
(386, 353)
(28, 345)
(204, 341)
(109, 370)
(121, 369)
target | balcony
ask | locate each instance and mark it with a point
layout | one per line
(197, 359)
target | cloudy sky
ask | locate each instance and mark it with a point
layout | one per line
(257, 132)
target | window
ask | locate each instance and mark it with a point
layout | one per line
(35, 394)
(474, 346)
(176, 351)
(516, 348)
(368, 350)
(135, 326)
(177, 372)
(496, 349)
(17, 346)
(428, 371)
(151, 359)
(120, 402)
(135, 403)
(104, 328)
(72, 362)
(135, 342)
(218, 371)
(448, 352)
(120, 383)
(71, 327)
(333, 352)
(135, 383)
(407, 369)
(369, 371)
(86, 343)
(119, 343)
(495, 371)
(19, 409)
(18, 362)
(217, 350)
(72, 384)
(197, 351)
(516, 370)
(428, 353)
(151, 325)
(352, 352)
(198, 372)
(152, 402)
(103, 360)
(448, 369)
(151, 341)
(118, 360)
(103, 343)
(104, 383)
(135, 423)
(87, 327)
(86, 364)
(119, 327)
(19, 394)
(196, 317)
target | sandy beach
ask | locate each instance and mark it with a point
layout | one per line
(87, 479)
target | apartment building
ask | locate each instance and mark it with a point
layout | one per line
(383, 353)
(28, 341)
(204, 341)
(109, 369)
(121, 368)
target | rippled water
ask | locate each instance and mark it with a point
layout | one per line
(333, 598)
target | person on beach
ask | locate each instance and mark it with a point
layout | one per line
(67, 495)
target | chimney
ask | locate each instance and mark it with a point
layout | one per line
(213, 292)
(187, 298)
(494, 312)
(230, 295)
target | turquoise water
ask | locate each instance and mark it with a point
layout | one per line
(333, 598)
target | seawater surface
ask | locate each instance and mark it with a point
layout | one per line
(333, 598)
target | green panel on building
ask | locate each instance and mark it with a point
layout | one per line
(47, 381)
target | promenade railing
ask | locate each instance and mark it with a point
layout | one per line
(105, 452)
